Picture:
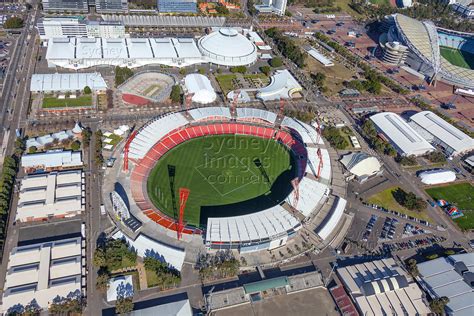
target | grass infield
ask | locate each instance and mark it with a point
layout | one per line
(457, 57)
(228, 175)
(52, 102)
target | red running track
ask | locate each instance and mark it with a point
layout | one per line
(134, 99)
(180, 135)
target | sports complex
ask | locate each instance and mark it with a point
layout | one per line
(245, 179)
(435, 52)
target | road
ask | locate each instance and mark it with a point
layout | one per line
(14, 106)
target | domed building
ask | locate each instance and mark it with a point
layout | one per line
(227, 47)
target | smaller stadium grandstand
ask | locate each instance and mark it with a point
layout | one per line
(147, 87)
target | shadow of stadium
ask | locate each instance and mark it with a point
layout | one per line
(279, 190)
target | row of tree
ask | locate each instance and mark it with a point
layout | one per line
(371, 135)
(287, 46)
(7, 182)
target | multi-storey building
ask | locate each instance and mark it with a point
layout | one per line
(272, 6)
(111, 5)
(77, 27)
(65, 5)
(183, 6)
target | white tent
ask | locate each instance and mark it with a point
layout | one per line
(201, 88)
(431, 177)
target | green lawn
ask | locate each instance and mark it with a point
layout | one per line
(225, 82)
(53, 102)
(457, 57)
(380, 2)
(462, 196)
(222, 176)
(151, 278)
(386, 199)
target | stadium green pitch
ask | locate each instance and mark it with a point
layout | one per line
(458, 57)
(228, 175)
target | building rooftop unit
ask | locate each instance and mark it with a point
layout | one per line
(441, 132)
(40, 272)
(55, 194)
(382, 287)
(404, 138)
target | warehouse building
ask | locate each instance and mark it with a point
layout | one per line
(226, 47)
(67, 82)
(47, 264)
(52, 160)
(452, 277)
(51, 195)
(381, 287)
(402, 136)
(441, 133)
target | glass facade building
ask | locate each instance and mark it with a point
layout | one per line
(186, 6)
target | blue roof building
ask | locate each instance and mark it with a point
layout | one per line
(184, 6)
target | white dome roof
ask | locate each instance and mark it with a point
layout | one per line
(228, 47)
(361, 164)
(437, 176)
(201, 87)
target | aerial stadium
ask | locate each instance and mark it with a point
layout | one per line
(243, 178)
(435, 52)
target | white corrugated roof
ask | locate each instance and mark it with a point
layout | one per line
(402, 135)
(67, 82)
(443, 131)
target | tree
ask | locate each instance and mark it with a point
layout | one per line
(276, 62)
(438, 304)
(102, 282)
(76, 145)
(86, 136)
(175, 94)
(99, 258)
(13, 23)
(432, 256)
(409, 200)
(32, 149)
(182, 71)
(87, 90)
(221, 10)
(412, 267)
(123, 305)
(266, 70)
(238, 69)
(436, 157)
(202, 70)
(122, 74)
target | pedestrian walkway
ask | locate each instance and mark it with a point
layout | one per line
(142, 274)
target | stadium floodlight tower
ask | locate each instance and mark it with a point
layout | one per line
(295, 183)
(183, 198)
(126, 149)
(233, 105)
(189, 100)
